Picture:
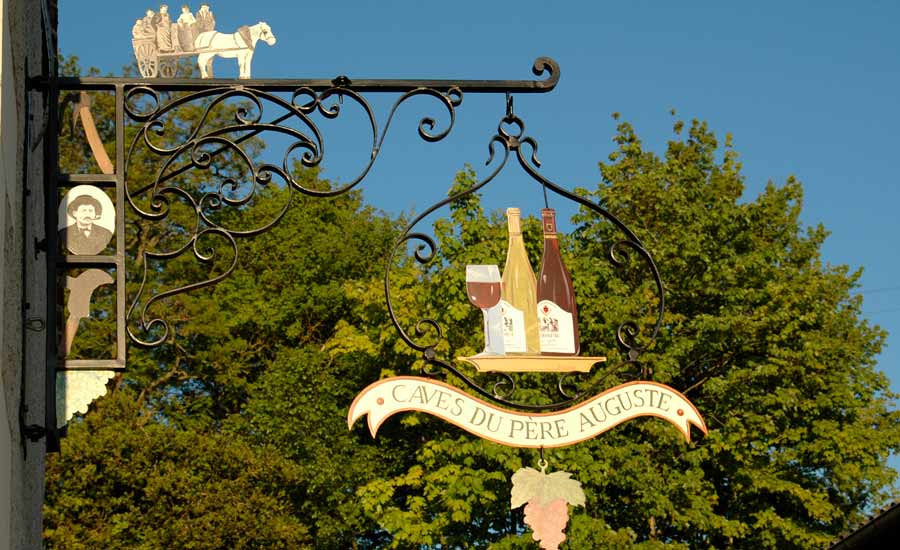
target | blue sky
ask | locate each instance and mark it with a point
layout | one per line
(805, 88)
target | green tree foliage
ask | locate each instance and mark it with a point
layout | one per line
(124, 481)
(768, 343)
(234, 435)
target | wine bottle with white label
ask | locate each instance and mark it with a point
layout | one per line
(519, 303)
(556, 310)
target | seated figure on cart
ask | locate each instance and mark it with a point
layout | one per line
(187, 29)
(164, 30)
(205, 20)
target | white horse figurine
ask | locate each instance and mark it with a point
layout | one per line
(240, 45)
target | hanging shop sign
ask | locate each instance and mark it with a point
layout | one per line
(530, 324)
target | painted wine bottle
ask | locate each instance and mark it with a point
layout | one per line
(556, 310)
(519, 304)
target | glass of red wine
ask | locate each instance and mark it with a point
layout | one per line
(483, 290)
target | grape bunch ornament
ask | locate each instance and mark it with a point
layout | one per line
(546, 498)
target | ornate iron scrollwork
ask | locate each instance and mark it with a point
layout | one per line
(191, 196)
(293, 108)
(205, 176)
(198, 149)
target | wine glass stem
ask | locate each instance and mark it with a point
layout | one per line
(487, 332)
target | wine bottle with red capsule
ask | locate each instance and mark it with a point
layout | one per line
(556, 309)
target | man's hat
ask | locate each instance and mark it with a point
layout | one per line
(84, 199)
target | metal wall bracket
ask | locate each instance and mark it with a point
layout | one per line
(29, 432)
(292, 108)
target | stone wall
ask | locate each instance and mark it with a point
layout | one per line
(22, 279)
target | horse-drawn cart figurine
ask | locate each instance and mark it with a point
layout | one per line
(159, 42)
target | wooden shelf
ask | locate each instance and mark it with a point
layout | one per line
(532, 363)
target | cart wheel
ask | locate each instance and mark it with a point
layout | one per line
(148, 63)
(168, 69)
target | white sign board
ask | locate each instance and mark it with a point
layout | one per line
(517, 429)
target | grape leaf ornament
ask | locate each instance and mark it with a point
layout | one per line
(546, 498)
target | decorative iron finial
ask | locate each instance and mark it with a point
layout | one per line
(341, 81)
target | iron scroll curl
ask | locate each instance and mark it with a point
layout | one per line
(502, 387)
(167, 175)
(198, 149)
(146, 115)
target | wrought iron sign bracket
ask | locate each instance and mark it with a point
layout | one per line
(143, 104)
(189, 153)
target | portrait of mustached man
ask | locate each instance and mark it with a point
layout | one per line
(84, 236)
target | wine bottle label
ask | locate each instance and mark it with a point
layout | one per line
(556, 328)
(513, 328)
